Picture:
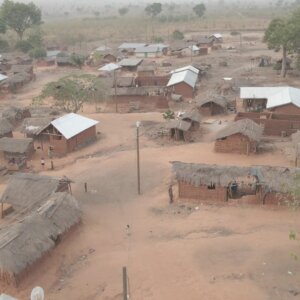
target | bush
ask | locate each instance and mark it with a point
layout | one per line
(233, 33)
(38, 53)
(158, 39)
(178, 35)
(4, 46)
(23, 46)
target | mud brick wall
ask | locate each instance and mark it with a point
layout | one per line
(201, 193)
(236, 143)
(152, 80)
(287, 109)
(183, 89)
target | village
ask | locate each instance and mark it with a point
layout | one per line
(180, 165)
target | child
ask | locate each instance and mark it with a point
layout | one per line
(43, 162)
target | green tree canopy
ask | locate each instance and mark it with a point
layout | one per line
(283, 35)
(71, 92)
(153, 9)
(199, 10)
(20, 16)
(78, 60)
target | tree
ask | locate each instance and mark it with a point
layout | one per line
(169, 115)
(199, 10)
(38, 53)
(71, 92)
(177, 35)
(20, 16)
(78, 60)
(153, 9)
(282, 34)
(2, 26)
(35, 38)
(123, 11)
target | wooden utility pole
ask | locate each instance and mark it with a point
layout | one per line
(125, 287)
(115, 85)
(138, 157)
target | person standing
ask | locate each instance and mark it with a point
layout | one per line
(43, 162)
(171, 197)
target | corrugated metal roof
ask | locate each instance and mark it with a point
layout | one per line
(131, 45)
(159, 46)
(147, 49)
(190, 68)
(258, 92)
(187, 76)
(276, 96)
(194, 48)
(130, 62)
(72, 124)
(102, 49)
(3, 77)
(285, 96)
(109, 67)
(53, 53)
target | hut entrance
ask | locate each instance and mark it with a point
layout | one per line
(245, 187)
(177, 134)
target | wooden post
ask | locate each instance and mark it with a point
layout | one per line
(125, 289)
(2, 210)
(85, 187)
(52, 165)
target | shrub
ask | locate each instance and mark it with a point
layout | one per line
(177, 35)
(4, 46)
(38, 53)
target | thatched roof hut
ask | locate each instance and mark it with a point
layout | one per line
(219, 100)
(191, 116)
(25, 190)
(24, 243)
(5, 127)
(34, 126)
(272, 179)
(15, 114)
(12, 145)
(245, 127)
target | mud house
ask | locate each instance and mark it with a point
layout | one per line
(240, 137)
(6, 128)
(190, 51)
(265, 184)
(283, 100)
(129, 48)
(164, 48)
(217, 38)
(70, 132)
(25, 242)
(15, 114)
(124, 82)
(27, 191)
(192, 117)
(204, 42)
(274, 124)
(16, 151)
(179, 130)
(211, 106)
(145, 71)
(130, 64)
(148, 52)
(183, 82)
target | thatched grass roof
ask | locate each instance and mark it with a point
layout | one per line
(22, 69)
(34, 126)
(25, 190)
(245, 127)
(15, 114)
(19, 78)
(5, 126)
(272, 179)
(218, 100)
(179, 124)
(191, 115)
(12, 145)
(23, 243)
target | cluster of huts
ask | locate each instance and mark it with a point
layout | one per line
(266, 184)
(37, 212)
(15, 72)
(61, 135)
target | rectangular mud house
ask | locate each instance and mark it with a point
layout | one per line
(179, 130)
(216, 183)
(283, 100)
(129, 48)
(212, 106)
(183, 82)
(16, 151)
(148, 52)
(70, 132)
(274, 124)
(240, 137)
(24, 243)
(130, 64)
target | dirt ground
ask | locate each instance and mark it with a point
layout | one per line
(170, 251)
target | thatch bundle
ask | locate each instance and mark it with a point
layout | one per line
(245, 127)
(24, 243)
(272, 179)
